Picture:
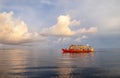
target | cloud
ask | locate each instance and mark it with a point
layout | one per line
(62, 28)
(15, 31)
(105, 14)
(91, 30)
(79, 39)
(65, 31)
(46, 2)
(62, 40)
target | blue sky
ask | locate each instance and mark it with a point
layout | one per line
(94, 22)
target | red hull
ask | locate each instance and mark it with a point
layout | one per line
(75, 51)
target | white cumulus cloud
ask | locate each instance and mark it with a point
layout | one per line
(14, 31)
(62, 27)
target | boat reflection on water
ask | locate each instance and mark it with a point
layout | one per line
(70, 62)
(80, 59)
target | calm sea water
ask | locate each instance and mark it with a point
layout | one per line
(50, 63)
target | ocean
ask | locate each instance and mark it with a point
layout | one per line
(53, 63)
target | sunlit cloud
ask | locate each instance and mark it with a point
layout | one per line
(15, 31)
(65, 31)
(62, 28)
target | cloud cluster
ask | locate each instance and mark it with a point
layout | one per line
(62, 28)
(14, 31)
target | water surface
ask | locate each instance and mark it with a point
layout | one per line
(50, 63)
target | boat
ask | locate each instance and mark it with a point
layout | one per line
(78, 49)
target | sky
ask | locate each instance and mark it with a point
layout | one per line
(60, 22)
